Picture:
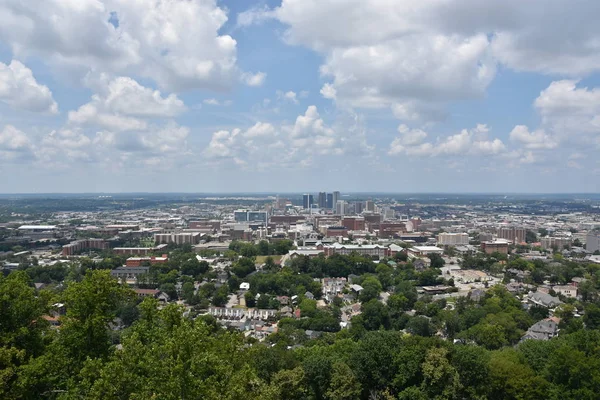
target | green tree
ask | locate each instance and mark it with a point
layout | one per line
(440, 378)
(344, 385)
(371, 289)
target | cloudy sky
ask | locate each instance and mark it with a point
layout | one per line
(299, 95)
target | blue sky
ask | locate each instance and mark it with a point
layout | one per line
(299, 95)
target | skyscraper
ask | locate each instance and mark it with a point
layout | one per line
(307, 201)
(330, 203)
(336, 198)
(322, 200)
(341, 207)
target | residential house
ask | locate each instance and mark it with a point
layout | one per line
(545, 329)
(544, 299)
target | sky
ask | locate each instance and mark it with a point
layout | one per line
(299, 95)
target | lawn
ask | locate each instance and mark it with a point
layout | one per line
(262, 259)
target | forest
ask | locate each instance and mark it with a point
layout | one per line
(166, 353)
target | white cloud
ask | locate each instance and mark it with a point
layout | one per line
(290, 96)
(402, 53)
(15, 145)
(328, 91)
(532, 140)
(303, 144)
(570, 116)
(122, 103)
(19, 89)
(215, 102)
(472, 142)
(174, 42)
(255, 80)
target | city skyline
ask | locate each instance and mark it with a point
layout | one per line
(275, 95)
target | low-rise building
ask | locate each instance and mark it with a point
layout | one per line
(421, 251)
(496, 246)
(566, 290)
(545, 329)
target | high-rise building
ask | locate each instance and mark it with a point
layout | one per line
(330, 203)
(592, 242)
(258, 216)
(307, 201)
(359, 207)
(341, 207)
(512, 234)
(240, 215)
(322, 200)
(370, 206)
(336, 197)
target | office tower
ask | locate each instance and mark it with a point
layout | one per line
(370, 206)
(341, 207)
(336, 197)
(322, 200)
(307, 201)
(330, 203)
(240, 215)
(359, 207)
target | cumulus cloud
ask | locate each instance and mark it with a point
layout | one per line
(381, 53)
(174, 42)
(122, 103)
(265, 145)
(257, 79)
(14, 144)
(468, 142)
(290, 96)
(532, 140)
(19, 89)
(570, 116)
(215, 102)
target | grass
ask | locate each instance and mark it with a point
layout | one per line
(262, 259)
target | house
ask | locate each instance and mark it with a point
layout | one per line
(146, 292)
(129, 274)
(544, 299)
(545, 329)
(356, 288)
(420, 265)
(309, 295)
(577, 281)
(566, 290)
(476, 294)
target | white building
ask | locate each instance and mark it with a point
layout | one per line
(453, 239)
(420, 251)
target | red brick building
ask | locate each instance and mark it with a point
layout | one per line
(354, 223)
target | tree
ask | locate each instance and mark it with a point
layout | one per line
(436, 261)
(440, 378)
(591, 317)
(420, 326)
(21, 325)
(530, 237)
(375, 315)
(343, 385)
(243, 267)
(290, 384)
(371, 289)
(187, 361)
(91, 305)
